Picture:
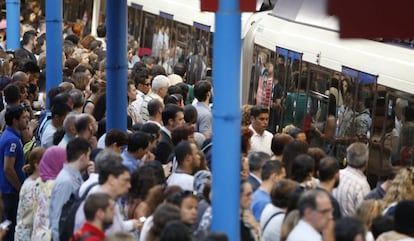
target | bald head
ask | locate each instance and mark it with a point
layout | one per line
(20, 76)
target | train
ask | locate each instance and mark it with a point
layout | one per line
(292, 42)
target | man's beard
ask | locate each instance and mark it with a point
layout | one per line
(106, 224)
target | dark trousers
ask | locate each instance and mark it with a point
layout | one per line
(10, 202)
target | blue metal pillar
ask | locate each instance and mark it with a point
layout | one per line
(13, 24)
(226, 114)
(116, 64)
(53, 44)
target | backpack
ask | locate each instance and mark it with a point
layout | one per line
(67, 217)
(45, 119)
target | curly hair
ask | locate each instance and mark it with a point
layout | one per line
(402, 187)
(245, 119)
(246, 133)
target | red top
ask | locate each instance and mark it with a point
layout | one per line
(95, 234)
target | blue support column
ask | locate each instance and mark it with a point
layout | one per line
(226, 112)
(116, 64)
(13, 24)
(54, 42)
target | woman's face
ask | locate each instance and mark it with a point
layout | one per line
(246, 196)
(245, 171)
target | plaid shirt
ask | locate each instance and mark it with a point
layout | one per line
(351, 191)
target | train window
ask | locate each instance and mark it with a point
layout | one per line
(134, 22)
(182, 36)
(75, 11)
(260, 59)
(150, 28)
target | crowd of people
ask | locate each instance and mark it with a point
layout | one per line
(65, 177)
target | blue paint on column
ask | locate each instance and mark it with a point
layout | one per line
(226, 119)
(54, 41)
(13, 24)
(116, 64)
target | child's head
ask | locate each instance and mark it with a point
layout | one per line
(34, 159)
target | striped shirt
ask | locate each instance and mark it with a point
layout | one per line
(352, 189)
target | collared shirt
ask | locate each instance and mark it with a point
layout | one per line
(261, 142)
(129, 161)
(94, 232)
(67, 182)
(157, 123)
(47, 136)
(64, 142)
(204, 117)
(254, 180)
(168, 132)
(351, 190)
(11, 146)
(303, 231)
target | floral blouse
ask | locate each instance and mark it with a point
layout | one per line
(26, 208)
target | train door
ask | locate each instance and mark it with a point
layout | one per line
(182, 38)
(397, 140)
(135, 21)
(199, 54)
(292, 74)
(355, 121)
(322, 101)
(162, 49)
(148, 31)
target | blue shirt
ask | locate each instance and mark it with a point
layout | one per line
(259, 202)
(129, 161)
(67, 182)
(204, 117)
(11, 146)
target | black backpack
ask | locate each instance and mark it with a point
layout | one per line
(67, 217)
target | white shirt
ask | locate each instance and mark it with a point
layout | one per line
(138, 103)
(303, 231)
(183, 180)
(101, 141)
(146, 228)
(262, 142)
(274, 226)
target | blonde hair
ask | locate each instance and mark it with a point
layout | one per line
(368, 210)
(290, 221)
(245, 120)
(402, 187)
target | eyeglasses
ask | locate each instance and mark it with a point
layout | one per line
(147, 84)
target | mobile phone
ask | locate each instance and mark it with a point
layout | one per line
(142, 219)
(5, 224)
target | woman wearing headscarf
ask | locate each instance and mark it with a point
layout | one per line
(50, 166)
